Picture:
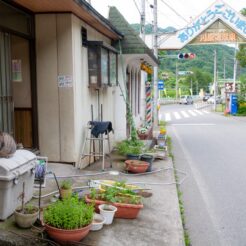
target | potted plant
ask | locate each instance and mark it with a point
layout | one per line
(130, 148)
(127, 202)
(25, 215)
(68, 220)
(66, 188)
(136, 166)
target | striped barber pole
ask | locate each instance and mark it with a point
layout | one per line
(148, 114)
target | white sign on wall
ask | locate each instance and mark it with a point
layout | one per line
(65, 81)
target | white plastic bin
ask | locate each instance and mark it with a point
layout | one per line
(13, 172)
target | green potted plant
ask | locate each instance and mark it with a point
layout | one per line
(66, 188)
(25, 215)
(130, 148)
(68, 220)
(127, 202)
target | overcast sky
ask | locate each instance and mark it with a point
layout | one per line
(185, 10)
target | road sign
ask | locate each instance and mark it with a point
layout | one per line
(160, 85)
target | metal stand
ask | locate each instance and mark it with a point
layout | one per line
(101, 150)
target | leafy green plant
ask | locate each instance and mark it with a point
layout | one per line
(70, 213)
(118, 192)
(130, 147)
(66, 184)
(27, 209)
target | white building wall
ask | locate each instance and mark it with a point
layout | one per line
(64, 112)
(133, 66)
(47, 90)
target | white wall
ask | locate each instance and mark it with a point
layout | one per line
(63, 112)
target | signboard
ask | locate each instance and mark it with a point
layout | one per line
(65, 81)
(184, 72)
(218, 23)
(160, 85)
(229, 87)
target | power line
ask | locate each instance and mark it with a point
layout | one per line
(137, 7)
(174, 11)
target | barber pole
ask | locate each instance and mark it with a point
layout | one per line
(148, 111)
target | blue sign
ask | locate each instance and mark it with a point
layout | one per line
(160, 85)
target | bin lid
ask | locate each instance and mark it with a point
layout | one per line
(20, 162)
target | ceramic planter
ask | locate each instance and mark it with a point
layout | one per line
(108, 212)
(25, 220)
(97, 223)
(67, 236)
(124, 210)
(136, 166)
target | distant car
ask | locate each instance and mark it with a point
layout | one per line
(185, 100)
(206, 97)
(218, 100)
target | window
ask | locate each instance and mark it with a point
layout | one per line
(113, 68)
(102, 64)
(84, 36)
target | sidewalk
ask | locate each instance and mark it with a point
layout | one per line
(158, 223)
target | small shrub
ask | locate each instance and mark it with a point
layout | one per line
(241, 110)
(130, 147)
(69, 214)
(116, 193)
(66, 184)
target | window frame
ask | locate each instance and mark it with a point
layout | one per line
(99, 47)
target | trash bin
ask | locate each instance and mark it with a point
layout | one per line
(13, 172)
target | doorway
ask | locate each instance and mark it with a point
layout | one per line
(15, 89)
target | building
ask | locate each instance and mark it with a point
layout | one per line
(59, 70)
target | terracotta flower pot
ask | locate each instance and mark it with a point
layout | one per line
(65, 236)
(136, 166)
(124, 210)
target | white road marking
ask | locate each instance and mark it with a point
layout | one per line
(192, 113)
(199, 112)
(167, 117)
(206, 112)
(177, 115)
(194, 124)
(185, 114)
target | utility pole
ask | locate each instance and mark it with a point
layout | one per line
(155, 49)
(191, 86)
(142, 21)
(215, 78)
(235, 69)
(224, 69)
(177, 81)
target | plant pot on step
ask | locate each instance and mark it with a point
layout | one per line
(149, 159)
(124, 210)
(136, 166)
(26, 217)
(69, 220)
(108, 212)
(66, 189)
(97, 223)
(132, 156)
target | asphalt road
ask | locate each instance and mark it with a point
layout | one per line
(210, 148)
